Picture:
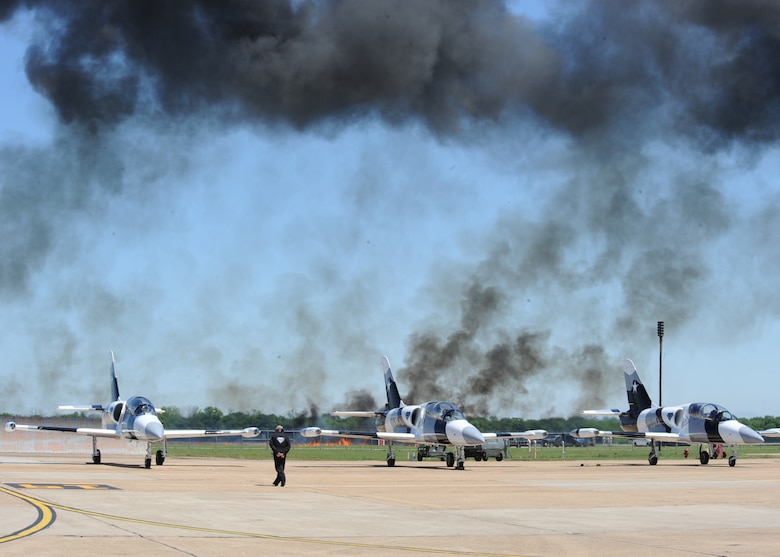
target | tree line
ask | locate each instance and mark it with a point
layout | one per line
(213, 418)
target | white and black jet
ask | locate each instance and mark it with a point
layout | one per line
(429, 423)
(136, 419)
(705, 423)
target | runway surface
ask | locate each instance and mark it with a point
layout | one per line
(61, 505)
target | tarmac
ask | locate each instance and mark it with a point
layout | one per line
(64, 505)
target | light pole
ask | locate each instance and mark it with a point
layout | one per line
(660, 360)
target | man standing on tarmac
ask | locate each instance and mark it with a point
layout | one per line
(280, 445)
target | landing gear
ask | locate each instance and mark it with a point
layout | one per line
(95, 452)
(390, 455)
(704, 454)
(148, 459)
(733, 457)
(450, 460)
(461, 458)
(653, 456)
(159, 456)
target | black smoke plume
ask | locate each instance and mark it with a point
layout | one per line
(603, 75)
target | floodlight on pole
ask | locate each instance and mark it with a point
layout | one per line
(660, 360)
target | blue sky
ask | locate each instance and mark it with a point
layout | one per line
(506, 233)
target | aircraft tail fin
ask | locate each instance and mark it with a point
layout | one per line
(114, 383)
(638, 399)
(393, 397)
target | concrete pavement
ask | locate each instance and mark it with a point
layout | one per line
(61, 505)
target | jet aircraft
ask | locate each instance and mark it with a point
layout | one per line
(699, 422)
(429, 423)
(136, 418)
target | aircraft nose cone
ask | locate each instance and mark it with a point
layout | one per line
(472, 436)
(733, 432)
(749, 435)
(461, 432)
(152, 430)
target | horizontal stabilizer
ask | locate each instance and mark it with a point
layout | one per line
(608, 412)
(773, 432)
(359, 414)
(92, 408)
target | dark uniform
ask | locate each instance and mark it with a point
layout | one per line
(280, 445)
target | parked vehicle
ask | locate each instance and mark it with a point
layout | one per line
(431, 451)
(560, 440)
(518, 442)
(492, 448)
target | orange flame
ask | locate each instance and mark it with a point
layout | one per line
(343, 442)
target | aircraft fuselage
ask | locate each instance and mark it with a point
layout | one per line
(135, 418)
(697, 422)
(432, 423)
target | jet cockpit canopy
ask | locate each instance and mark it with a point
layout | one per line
(139, 405)
(710, 412)
(444, 411)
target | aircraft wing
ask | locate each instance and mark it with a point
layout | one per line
(396, 437)
(530, 434)
(183, 433)
(590, 432)
(90, 431)
(773, 432)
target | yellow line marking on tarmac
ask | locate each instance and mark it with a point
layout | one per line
(62, 486)
(46, 517)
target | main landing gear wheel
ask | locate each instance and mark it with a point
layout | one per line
(652, 459)
(147, 462)
(159, 458)
(450, 460)
(391, 462)
(732, 461)
(499, 457)
(96, 457)
(704, 457)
